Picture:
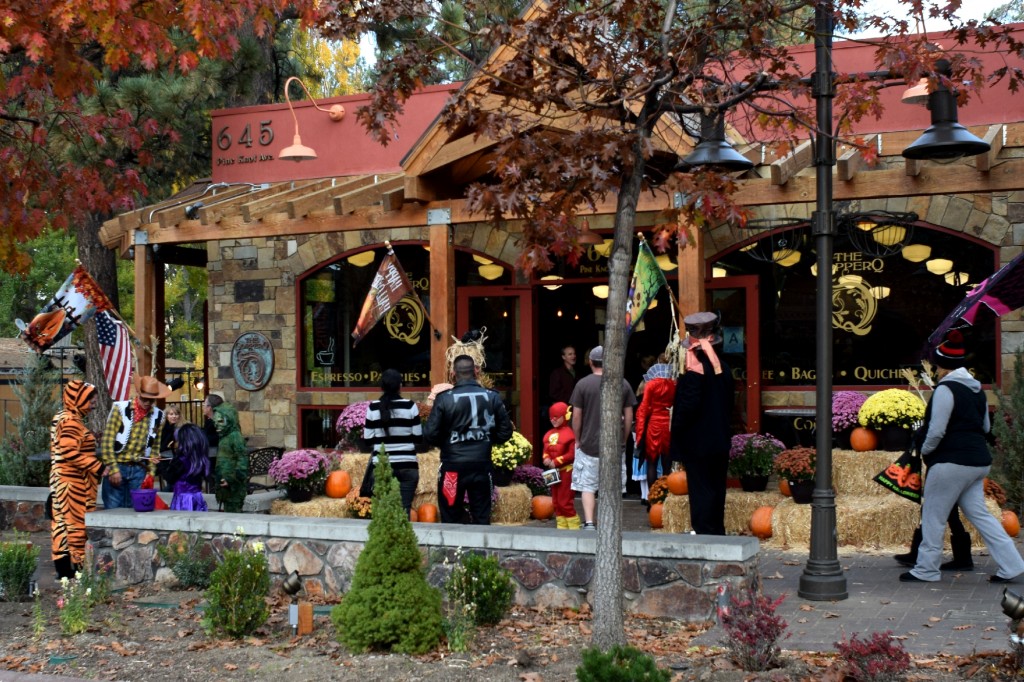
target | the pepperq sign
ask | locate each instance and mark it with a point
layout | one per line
(247, 142)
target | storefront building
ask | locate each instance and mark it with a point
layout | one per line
(291, 249)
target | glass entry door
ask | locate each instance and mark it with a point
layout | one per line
(507, 315)
(735, 299)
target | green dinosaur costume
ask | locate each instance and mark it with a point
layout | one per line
(232, 459)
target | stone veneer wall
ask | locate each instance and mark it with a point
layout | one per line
(664, 574)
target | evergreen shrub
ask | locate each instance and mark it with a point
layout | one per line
(621, 664)
(390, 606)
(236, 598)
(38, 391)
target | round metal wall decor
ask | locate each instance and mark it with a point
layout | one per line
(252, 361)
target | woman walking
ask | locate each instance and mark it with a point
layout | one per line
(394, 422)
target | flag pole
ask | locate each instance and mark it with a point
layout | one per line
(412, 289)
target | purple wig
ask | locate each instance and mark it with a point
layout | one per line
(193, 450)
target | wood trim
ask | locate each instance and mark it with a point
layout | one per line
(366, 196)
(984, 162)
(852, 160)
(254, 210)
(324, 198)
(791, 164)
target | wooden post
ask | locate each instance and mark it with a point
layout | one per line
(442, 298)
(691, 275)
(145, 306)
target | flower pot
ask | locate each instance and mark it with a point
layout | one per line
(801, 491)
(894, 438)
(299, 494)
(501, 477)
(731, 482)
(753, 484)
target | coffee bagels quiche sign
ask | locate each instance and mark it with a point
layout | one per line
(252, 361)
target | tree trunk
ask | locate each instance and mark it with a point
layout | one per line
(101, 263)
(609, 626)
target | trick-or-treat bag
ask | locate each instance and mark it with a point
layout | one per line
(903, 476)
(148, 482)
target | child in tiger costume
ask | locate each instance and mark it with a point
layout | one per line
(74, 477)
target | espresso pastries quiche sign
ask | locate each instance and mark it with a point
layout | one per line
(252, 361)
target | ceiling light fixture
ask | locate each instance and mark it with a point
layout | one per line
(916, 253)
(601, 291)
(361, 259)
(551, 278)
(665, 263)
(939, 266)
(718, 272)
(491, 271)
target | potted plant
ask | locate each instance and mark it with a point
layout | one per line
(845, 409)
(350, 427)
(796, 465)
(751, 458)
(894, 413)
(303, 473)
(508, 455)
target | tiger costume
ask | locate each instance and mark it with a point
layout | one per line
(74, 476)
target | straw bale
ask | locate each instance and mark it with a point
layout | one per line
(853, 472)
(675, 515)
(318, 508)
(739, 506)
(429, 462)
(514, 505)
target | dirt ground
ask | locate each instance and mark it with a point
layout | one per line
(155, 636)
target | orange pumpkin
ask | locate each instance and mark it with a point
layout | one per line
(338, 484)
(677, 483)
(761, 522)
(427, 513)
(543, 507)
(784, 487)
(863, 439)
(1011, 523)
(654, 516)
(413, 516)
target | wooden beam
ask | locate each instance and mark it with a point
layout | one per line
(457, 149)
(994, 137)
(791, 164)
(419, 189)
(442, 299)
(393, 200)
(145, 306)
(256, 209)
(324, 198)
(851, 161)
(913, 167)
(229, 203)
(691, 275)
(366, 196)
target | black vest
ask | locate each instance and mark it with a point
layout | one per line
(964, 442)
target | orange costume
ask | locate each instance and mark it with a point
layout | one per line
(559, 453)
(74, 476)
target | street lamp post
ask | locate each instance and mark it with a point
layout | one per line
(823, 577)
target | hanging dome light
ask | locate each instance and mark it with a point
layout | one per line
(957, 279)
(718, 272)
(551, 278)
(665, 263)
(787, 258)
(361, 259)
(939, 266)
(492, 271)
(945, 139)
(916, 253)
(880, 292)
(889, 235)
(482, 260)
(601, 291)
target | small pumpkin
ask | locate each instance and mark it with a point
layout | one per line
(863, 439)
(427, 513)
(413, 516)
(655, 514)
(543, 507)
(1011, 524)
(677, 483)
(761, 522)
(338, 484)
(784, 487)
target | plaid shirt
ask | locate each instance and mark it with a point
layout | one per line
(134, 451)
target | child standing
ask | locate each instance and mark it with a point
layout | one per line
(189, 468)
(559, 453)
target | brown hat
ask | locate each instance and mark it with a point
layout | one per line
(150, 388)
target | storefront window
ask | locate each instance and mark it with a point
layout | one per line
(884, 308)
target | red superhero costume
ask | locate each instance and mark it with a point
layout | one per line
(560, 451)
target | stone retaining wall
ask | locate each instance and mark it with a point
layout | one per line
(664, 574)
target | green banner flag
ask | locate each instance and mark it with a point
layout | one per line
(643, 287)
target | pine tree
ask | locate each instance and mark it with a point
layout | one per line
(39, 394)
(390, 606)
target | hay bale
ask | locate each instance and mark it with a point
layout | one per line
(675, 515)
(861, 521)
(853, 472)
(318, 508)
(740, 506)
(429, 462)
(514, 505)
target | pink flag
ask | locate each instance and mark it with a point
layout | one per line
(115, 353)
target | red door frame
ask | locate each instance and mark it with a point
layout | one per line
(525, 382)
(750, 283)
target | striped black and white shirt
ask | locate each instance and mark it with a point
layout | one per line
(404, 430)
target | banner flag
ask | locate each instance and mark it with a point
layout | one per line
(74, 304)
(644, 286)
(115, 353)
(389, 286)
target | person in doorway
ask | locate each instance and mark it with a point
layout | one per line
(232, 472)
(586, 424)
(74, 475)
(394, 422)
(211, 402)
(653, 425)
(559, 453)
(465, 422)
(958, 460)
(563, 378)
(701, 417)
(189, 469)
(130, 441)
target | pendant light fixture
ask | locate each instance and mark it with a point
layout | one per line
(945, 139)
(714, 150)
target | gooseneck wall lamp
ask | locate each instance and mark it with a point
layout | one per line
(298, 151)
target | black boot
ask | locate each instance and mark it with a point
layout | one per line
(64, 567)
(910, 558)
(962, 560)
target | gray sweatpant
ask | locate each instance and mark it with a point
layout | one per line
(945, 485)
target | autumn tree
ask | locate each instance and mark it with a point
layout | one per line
(588, 101)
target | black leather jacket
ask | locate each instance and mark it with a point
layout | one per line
(465, 422)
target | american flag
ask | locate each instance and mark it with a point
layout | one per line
(116, 354)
